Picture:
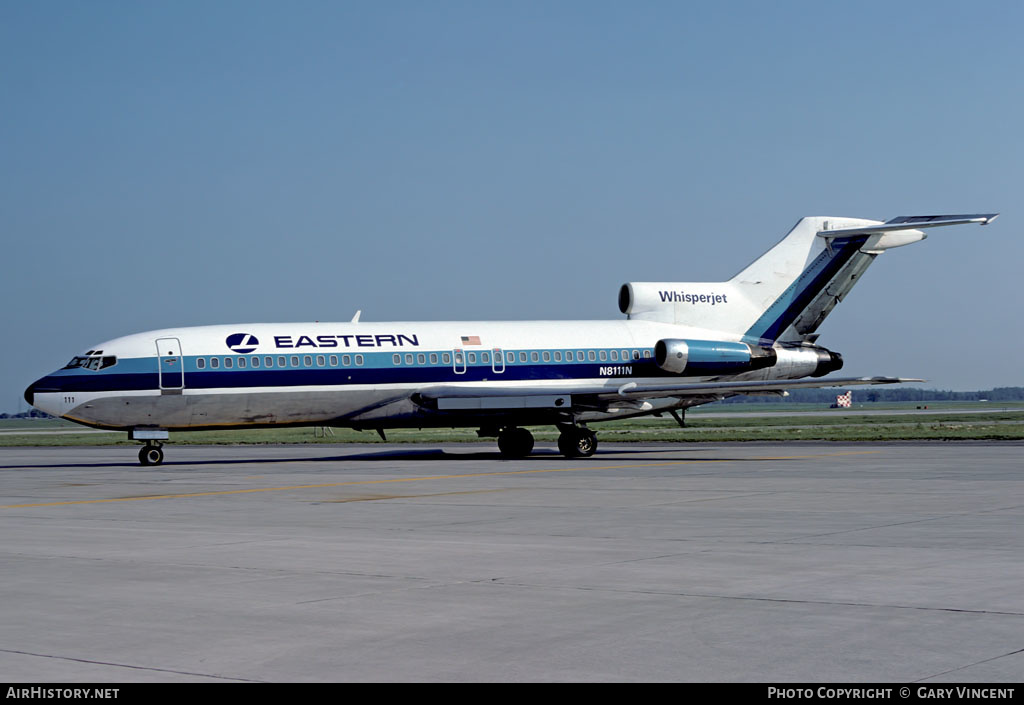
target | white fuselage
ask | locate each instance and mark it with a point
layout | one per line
(356, 374)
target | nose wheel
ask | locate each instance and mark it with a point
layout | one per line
(151, 454)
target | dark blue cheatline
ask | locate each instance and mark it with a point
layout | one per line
(343, 376)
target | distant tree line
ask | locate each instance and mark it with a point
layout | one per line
(30, 414)
(887, 394)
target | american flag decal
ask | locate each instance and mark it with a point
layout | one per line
(471, 340)
(844, 400)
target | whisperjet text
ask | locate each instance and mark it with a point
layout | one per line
(681, 297)
(398, 340)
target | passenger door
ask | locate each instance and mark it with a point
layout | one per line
(171, 365)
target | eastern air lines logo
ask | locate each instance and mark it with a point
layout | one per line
(242, 342)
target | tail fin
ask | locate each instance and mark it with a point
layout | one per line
(797, 283)
(787, 292)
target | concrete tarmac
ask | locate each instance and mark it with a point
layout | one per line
(708, 562)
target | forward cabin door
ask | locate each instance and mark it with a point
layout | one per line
(171, 365)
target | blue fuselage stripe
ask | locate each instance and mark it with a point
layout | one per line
(90, 381)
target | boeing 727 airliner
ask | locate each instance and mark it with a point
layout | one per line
(679, 345)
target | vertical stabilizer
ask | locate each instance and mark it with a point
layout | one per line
(767, 297)
(797, 283)
(787, 292)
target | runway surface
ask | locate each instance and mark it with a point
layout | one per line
(710, 562)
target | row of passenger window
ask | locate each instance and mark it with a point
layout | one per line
(523, 356)
(282, 361)
(300, 361)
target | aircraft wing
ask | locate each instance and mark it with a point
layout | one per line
(489, 396)
(650, 391)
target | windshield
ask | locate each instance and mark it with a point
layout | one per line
(92, 362)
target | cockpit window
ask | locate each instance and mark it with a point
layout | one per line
(91, 362)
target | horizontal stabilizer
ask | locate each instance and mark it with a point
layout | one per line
(912, 222)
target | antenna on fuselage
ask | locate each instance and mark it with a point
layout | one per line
(355, 318)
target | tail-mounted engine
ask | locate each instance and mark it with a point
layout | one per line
(698, 358)
(711, 357)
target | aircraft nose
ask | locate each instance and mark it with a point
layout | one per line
(40, 394)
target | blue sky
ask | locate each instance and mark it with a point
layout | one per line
(183, 163)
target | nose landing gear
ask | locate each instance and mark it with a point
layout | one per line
(151, 454)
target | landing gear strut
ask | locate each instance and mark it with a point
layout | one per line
(515, 442)
(577, 442)
(151, 454)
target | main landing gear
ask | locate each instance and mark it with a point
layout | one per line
(574, 442)
(577, 442)
(515, 442)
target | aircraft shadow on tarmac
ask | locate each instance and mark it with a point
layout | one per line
(410, 454)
